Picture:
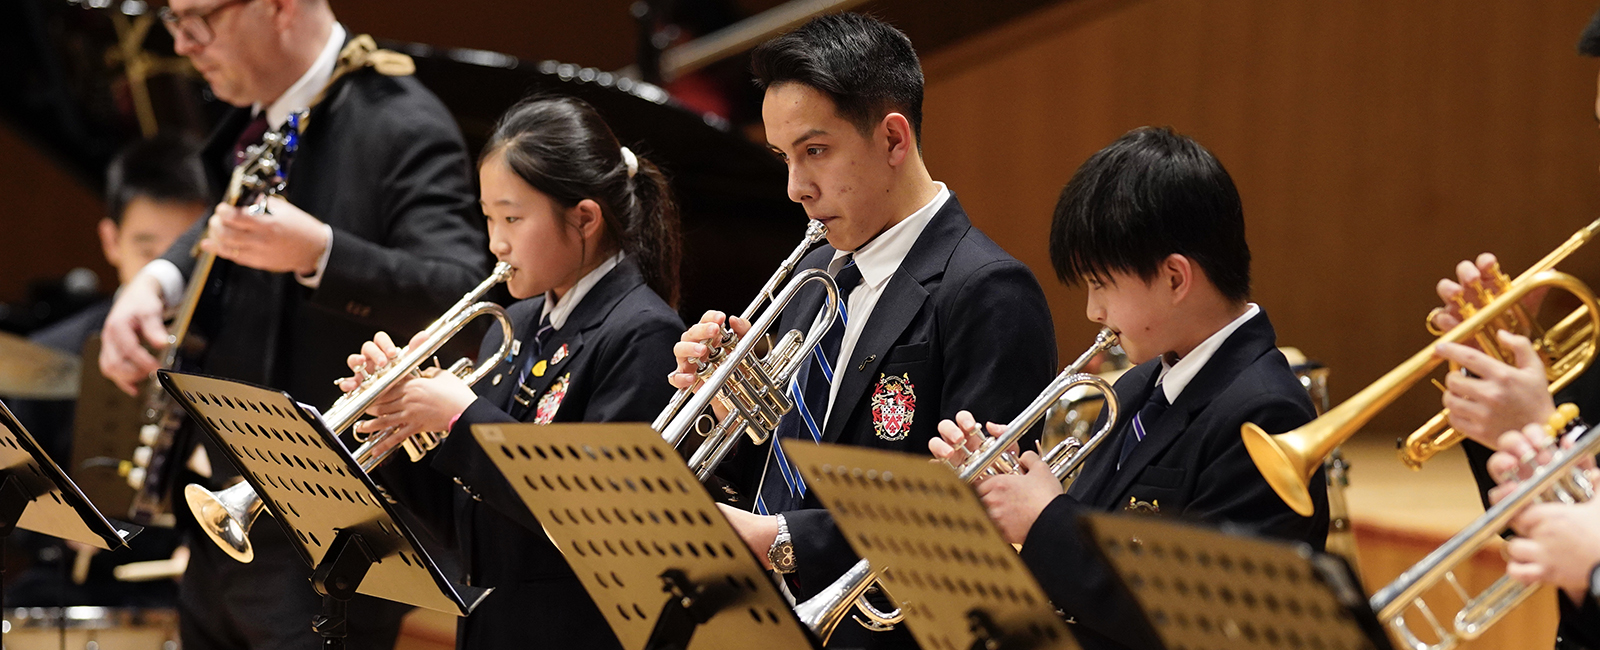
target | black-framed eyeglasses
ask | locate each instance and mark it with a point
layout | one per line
(193, 25)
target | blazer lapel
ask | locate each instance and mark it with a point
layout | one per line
(589, 314)
(896, 308)
(900, 303)
(1134, 388)
(498, 386)
(1242, 348)
(539, 379)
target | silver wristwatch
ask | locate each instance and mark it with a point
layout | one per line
(781, 555)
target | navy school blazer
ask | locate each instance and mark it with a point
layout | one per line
(1192, 464)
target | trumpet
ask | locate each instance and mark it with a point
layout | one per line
(1288, 460)
(1558, 480)
(1567, 348)
(823, 612)
(227, 515)
(755, 389)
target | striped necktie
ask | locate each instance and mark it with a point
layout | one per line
(782, 489)
(1148, 414)
(522, 397)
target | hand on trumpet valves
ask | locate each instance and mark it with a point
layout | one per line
(757, 531)
(1556, 544)
(429, 401)
(696, 347)
(1523, 451)
(375, 355)
(1467, 288)
(960, 437)
(1496, 397)
(278, 237)
(1014, 501)
(134, 321)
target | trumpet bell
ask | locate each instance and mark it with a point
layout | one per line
(226, 516)
(1284, 465)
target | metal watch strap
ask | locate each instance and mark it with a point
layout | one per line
(782, 546)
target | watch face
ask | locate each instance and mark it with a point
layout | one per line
(782, 557)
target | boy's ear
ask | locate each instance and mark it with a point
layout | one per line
(1178, 273)
(901, 139)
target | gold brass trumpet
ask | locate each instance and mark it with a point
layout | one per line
(824, 611)
(1288, 460)
(227, 515)
(1567, 347)
(1557, 480)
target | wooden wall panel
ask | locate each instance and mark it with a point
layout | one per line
(1374, 144)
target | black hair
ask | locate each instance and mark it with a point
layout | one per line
(1151, 194)
(165, 168)
(1589, 41)
(866, 66)
(561, 147)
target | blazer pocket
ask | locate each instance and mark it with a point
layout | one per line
(909, 353)
(1165, 478)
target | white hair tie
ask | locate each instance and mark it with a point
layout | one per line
(631, 161)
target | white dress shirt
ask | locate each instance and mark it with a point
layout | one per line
(559, 312)
(1175, 377)
(877, 261)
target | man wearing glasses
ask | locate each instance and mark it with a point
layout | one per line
(377, 229)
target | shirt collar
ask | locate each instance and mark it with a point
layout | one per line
(1174, 377)
(877, 259)
(311, 83)
(558, 314)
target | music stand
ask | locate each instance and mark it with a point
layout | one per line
(958, 582)
(105, 431)
(664, 566)
(36, 495)
(1205, 589)
(340, 522)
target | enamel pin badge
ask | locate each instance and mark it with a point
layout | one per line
(894, 406)
(551, 401)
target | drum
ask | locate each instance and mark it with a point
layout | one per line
(91, 628)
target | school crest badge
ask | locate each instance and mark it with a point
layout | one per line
(894, 405)
(1136, 506)
(545, 412)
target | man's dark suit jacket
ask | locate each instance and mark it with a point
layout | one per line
(1191, 464)
(961, 322)
(618, 343)
(383, 163)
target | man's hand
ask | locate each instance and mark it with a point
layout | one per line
(1500, 397)
(1557, 544)
(282, 239)
(1014, 501)
(1470, 275)
(960, 437)
(757, 531)
(135, 314)
(692, 349)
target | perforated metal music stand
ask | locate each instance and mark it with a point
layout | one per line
(36, 495)
(1205, 589)
(959, 583)
(641, 533)
(335, 516)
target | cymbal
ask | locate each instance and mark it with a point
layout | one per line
(32, 371)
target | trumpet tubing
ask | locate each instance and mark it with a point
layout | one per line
(1288, 460)
(824, 611)
(1557, 480)
(227, 515)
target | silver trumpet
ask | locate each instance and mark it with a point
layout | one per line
(227, 515)
(1559, 480)
(754, 389)
(824, 611)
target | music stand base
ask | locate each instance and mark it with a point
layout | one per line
(336, 578)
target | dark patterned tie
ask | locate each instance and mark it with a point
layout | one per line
(1148, 414)
(251, 135)
(522, 397)
(782, 489)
